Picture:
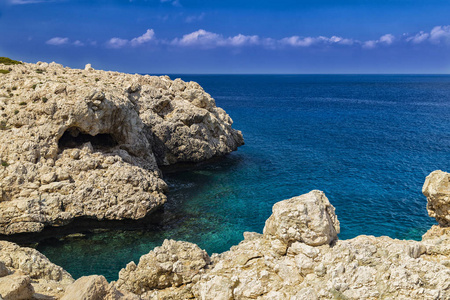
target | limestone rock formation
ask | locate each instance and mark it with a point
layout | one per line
(437, 190)
(87, 288)
(29, 271)
(293, 259)
(172, 264)
(16, 288)
(87, 143)
(272, 265)
(309, 218)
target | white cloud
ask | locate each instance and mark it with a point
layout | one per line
(437, 35)
(57, 41)
(387, 39)
(369, 44)
(21, 2)
(418, 38)
(200, 37)
(146, 37)
(206, 39)
(297, 41)
(194, 18)
(440, 33)
(173, 2)
(241, 40)
(78, 43)
(116, 42)
(340, 40)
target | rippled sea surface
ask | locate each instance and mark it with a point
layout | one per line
(367, 141)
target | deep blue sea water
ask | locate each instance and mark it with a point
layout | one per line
(367, 141)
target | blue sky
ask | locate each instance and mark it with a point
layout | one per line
(248, 36)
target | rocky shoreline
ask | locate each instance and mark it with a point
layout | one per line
(298, 256)
(88, 144)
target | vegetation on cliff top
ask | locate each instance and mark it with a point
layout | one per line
(9, 61)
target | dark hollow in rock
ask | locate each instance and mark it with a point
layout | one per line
(74, 138)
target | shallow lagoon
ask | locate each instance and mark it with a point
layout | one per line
(367, 141)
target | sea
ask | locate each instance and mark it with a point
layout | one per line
(367, 141)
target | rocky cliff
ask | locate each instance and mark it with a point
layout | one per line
(87, 143)
(298, 256)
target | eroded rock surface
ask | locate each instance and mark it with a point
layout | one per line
(299, 257)
(31, 272)
(171, 265)
(272, 265)
(87, 143)
(87, 288)
(437, 191)
(16, 287)
(309, 218)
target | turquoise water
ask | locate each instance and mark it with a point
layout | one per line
(367, 141)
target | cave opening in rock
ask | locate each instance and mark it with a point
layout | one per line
(74, 138)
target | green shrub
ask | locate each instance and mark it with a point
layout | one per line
(23, 103)
(3, 125)
(39, 71)
(14, 88)
(44, 99)
(16, 112)
(34, 86)
(9, 61)
(97, 79)
(5, 163)
(4, 71)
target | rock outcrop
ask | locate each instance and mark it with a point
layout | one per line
(87, 143)
(297, 257)
(171, 265)
(437, 190)
(16, 288)
(87, 288)
(25, 271)
(309, 218)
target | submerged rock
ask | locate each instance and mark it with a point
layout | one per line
(87, 143)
